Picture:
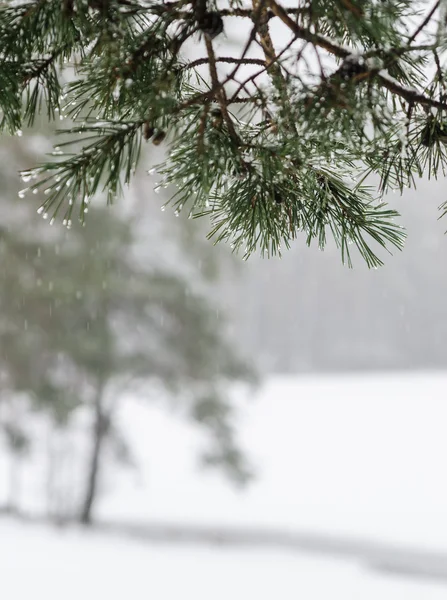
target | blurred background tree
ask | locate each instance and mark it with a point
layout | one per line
(85, 317)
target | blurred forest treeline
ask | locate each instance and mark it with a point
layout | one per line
(307, 313)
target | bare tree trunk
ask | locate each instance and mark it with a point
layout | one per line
(51, 475)
(100, 427)
(12, 503)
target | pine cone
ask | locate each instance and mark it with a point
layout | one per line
(432, 133)
(211, 24)
(158, 137)
(148, 131)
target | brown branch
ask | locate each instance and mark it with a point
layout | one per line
(225, 59)
(304, 34)
(182, 15)
(424, 23)
(220, 90)
(245, 100)
(247, 12)
(398, 51)
(357, 12)
(272, 66)
(409, 94)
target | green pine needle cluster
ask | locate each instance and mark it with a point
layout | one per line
(274, 142)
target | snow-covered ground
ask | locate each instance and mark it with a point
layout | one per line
(357, 457)
(43, 564)
(360, 455)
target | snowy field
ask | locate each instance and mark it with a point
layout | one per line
(357, 459)
(352, 455)
(43, 564)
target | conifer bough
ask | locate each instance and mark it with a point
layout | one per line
(273, 140)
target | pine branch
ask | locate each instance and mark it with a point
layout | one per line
(348, 91)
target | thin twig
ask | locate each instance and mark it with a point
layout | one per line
(424, 23)
(225, 59)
